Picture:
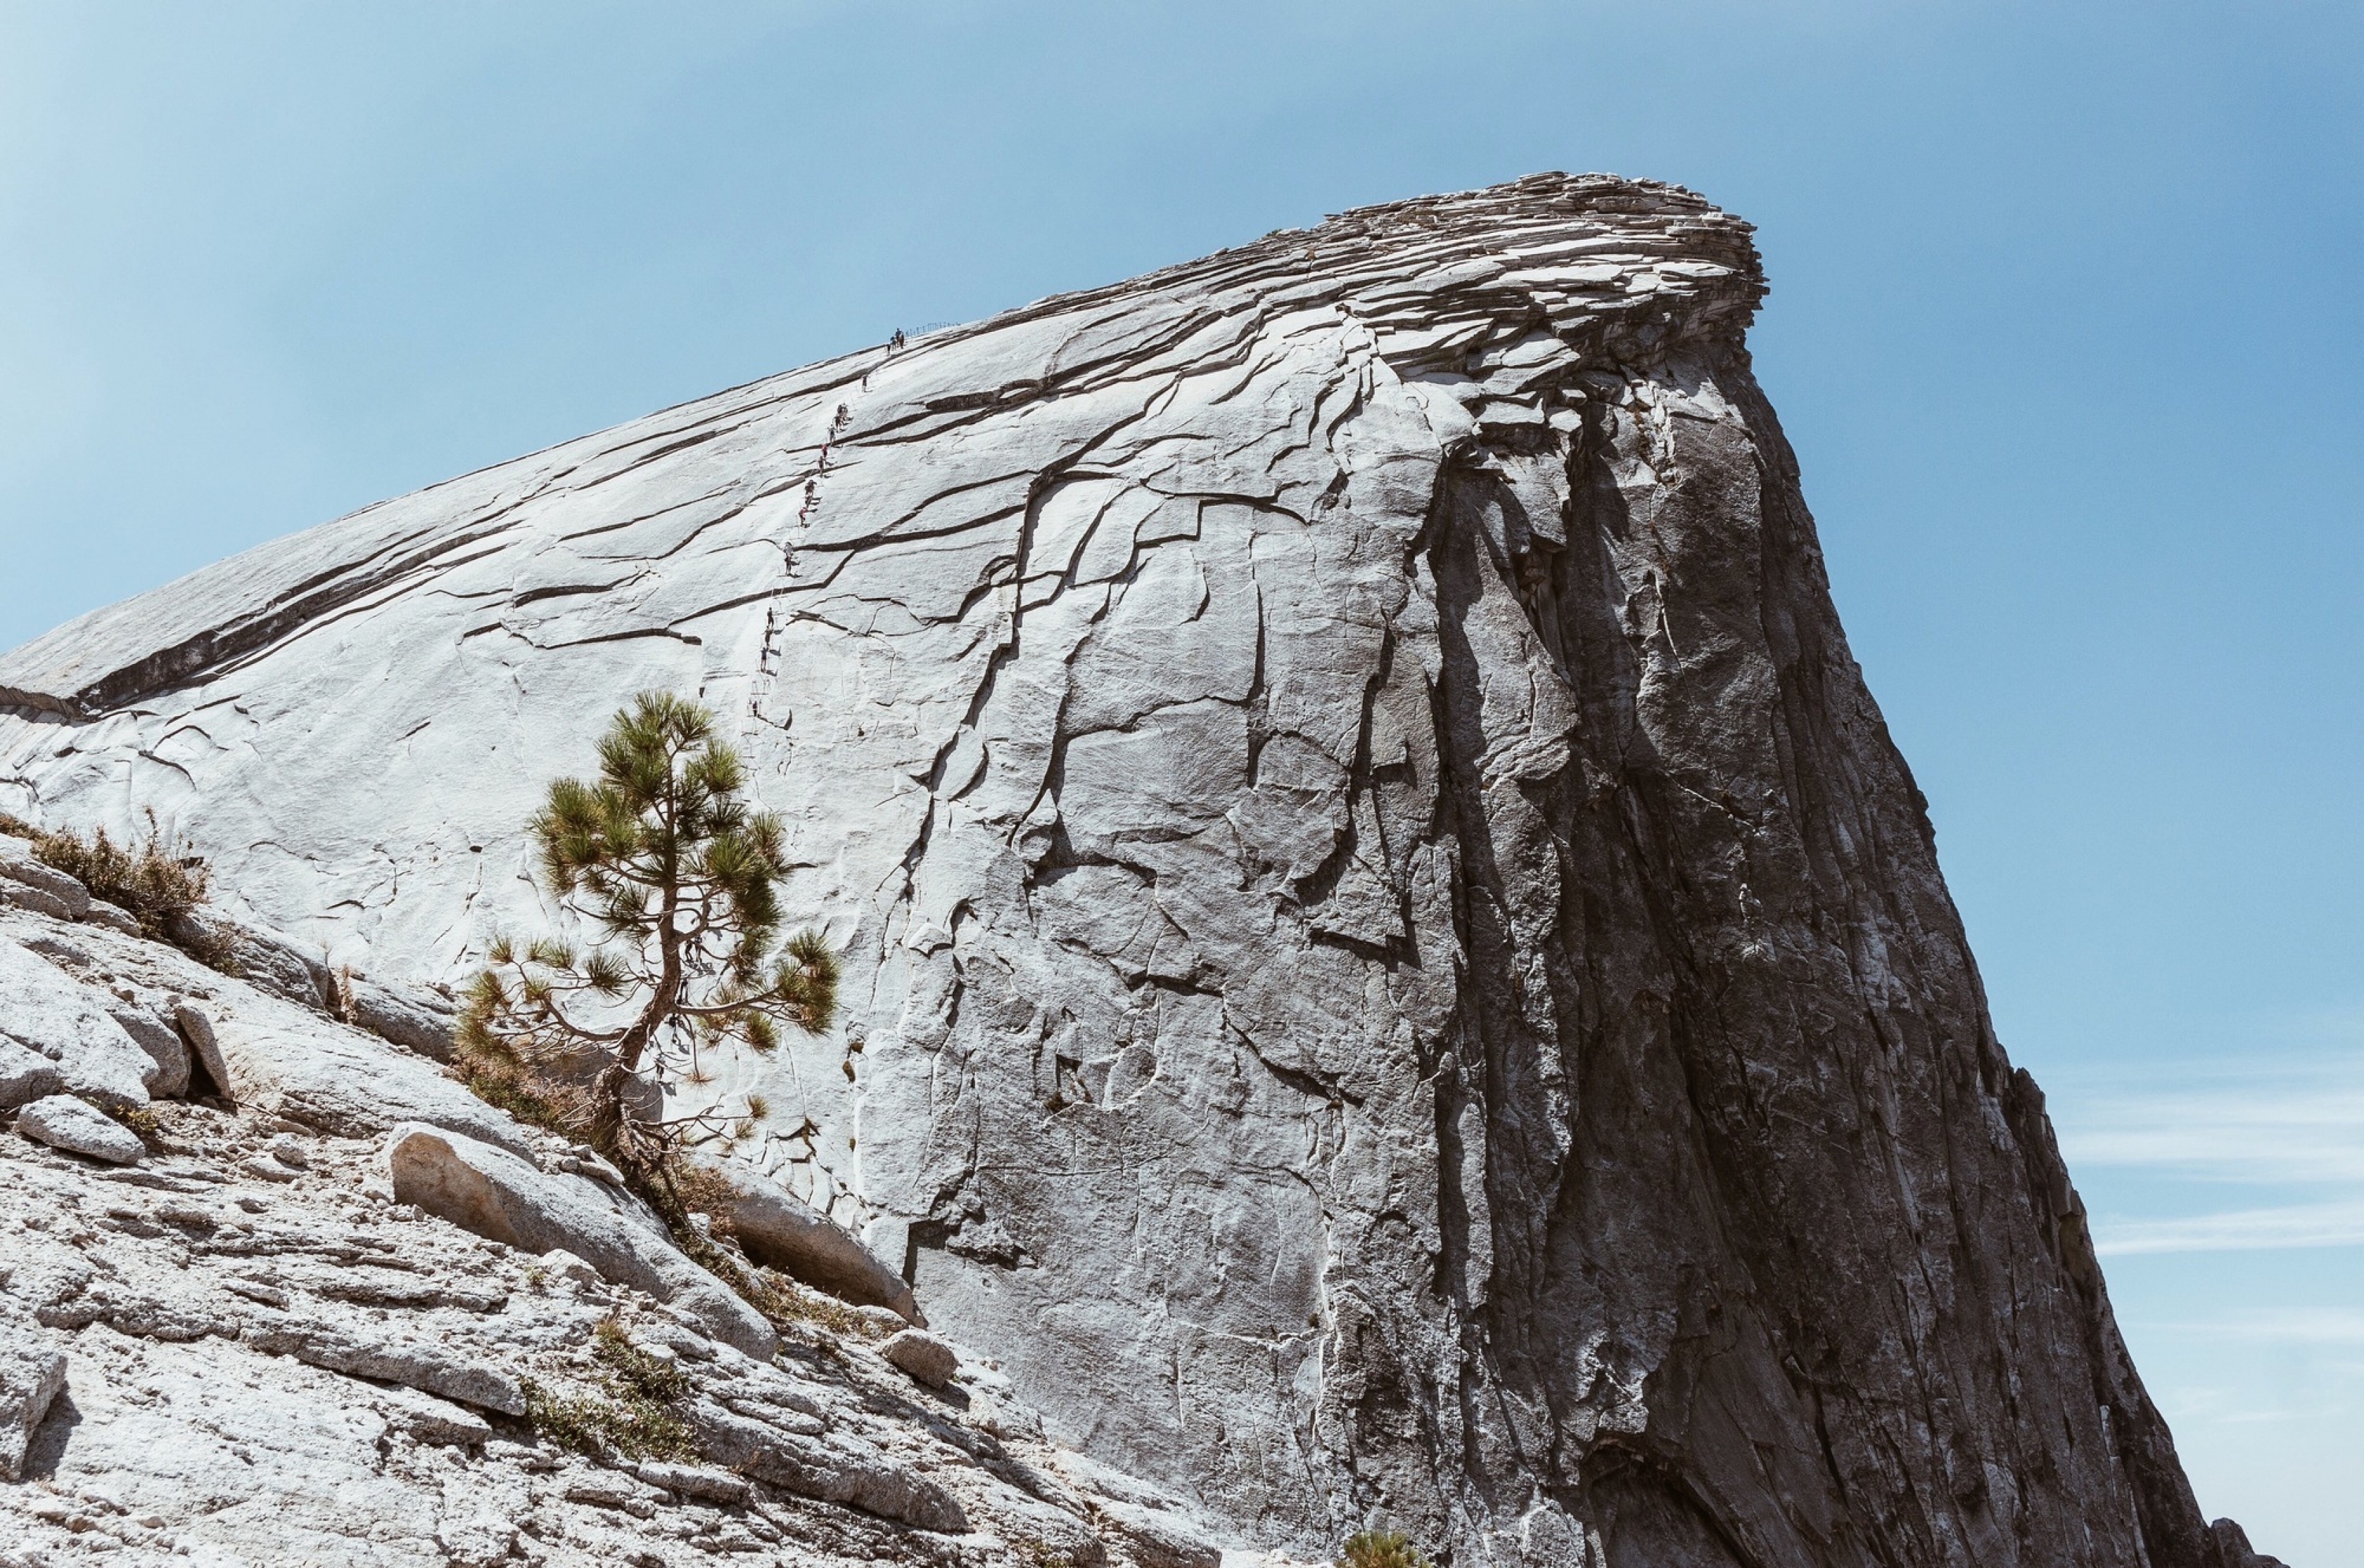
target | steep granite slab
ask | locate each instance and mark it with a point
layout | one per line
(1394, 966)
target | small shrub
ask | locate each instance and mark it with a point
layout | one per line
(629, 1410)
(141, 1120)
(1380, 1549)
(647, 1376)
(157, 881)
(520, 1101)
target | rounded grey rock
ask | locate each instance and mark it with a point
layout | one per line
(65, 1122)
(931, 1360)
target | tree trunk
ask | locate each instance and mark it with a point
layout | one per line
(613, 1131)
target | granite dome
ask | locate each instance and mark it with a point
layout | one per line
(1394, 968)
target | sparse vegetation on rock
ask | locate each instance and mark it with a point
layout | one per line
(1380, 1549)
(290, 1320)
(158, 881)
(629, 1408)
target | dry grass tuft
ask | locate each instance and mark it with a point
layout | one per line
(141, 1120)
(629, 1409)
(157, 881)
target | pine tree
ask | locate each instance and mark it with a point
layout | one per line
(662, 857)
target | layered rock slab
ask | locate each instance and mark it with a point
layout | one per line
(1394, 967)
(247, 1350)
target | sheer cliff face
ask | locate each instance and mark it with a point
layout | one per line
(1396, 967)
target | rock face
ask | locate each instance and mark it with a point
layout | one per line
(1395, 970)
(47, 1017)
(31, 1373)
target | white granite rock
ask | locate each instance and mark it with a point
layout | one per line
(65, 897)
(25, 1075)
(201, 1364)
(411, 1016)
(1160, 1539)
(62, 1122)
(115, 918)
(431, 1419)
(846, 1469)
(272, 961)
(341, 1080)
(925, 1356)
(52, 1014)
(164, 1045)
(32, 1371)
(780, 1229)
(693, 1481)
(27, 897)
(497, 1195)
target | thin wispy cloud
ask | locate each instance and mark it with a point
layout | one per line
(2289, 1129)
(2298, 1133)
(2237, 1230)
(2291, 1325)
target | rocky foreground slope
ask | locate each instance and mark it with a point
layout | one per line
(1395, 969)
(258, 1338)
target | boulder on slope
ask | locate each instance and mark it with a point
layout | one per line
(494, 1194)
(51, 1013)
(164, 1045)
(931, 1360)
(66, 898)
(842, 1469)
(62, 1122)
(25, 1075)
(271, 960)
(776, 1227)
(410, 1016)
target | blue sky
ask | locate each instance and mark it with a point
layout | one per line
(2064, 325)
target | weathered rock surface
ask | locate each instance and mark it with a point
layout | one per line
(246, 1352)
(163, 1044)
(32, 1369)
(25, 1075)
(777, 1228)
(50, 1015)
(926, 1357)
(1394, 966)
(494, 1193)
(412, 1017)
(62, 896)
(340, 1080)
